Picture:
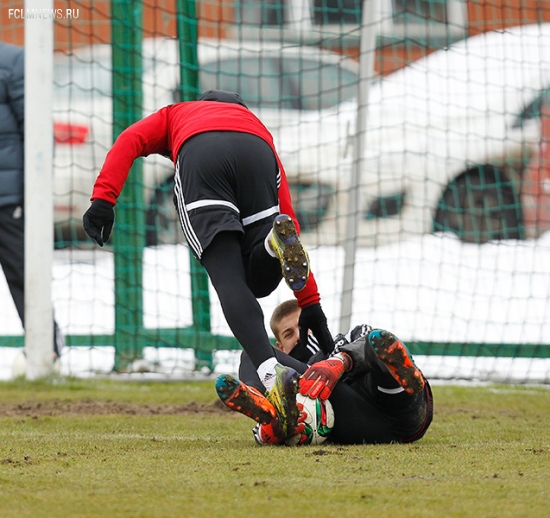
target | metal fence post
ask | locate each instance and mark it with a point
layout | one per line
(129, 236)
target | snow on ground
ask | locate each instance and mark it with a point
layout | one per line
(433, 288)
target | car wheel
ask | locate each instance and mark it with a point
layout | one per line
(480, 205)
(162, 222)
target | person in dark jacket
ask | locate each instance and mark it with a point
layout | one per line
(12, 218)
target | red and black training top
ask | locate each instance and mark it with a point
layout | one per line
(165, 131)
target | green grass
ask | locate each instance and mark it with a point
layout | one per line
(487, 454)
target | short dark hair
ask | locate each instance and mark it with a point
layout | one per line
(281, 311)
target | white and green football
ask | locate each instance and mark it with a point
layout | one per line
(319, 422)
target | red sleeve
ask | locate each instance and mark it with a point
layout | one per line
(145, 137)
(285, 202)
(310, 294)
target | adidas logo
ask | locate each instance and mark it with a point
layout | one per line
(268, 376)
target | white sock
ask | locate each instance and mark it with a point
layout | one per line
(266, 372)
(268, 246)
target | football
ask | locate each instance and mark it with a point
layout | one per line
(319, 422)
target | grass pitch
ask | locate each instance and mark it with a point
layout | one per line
(101, 448)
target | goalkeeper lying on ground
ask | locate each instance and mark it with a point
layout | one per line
(377, 393)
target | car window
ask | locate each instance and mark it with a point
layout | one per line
(256, 78)
(317, 85)
(337, 12)
(418, 11)
(533, 109)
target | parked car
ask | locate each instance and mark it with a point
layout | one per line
(288, 87)
(447, 145)
(449, 138)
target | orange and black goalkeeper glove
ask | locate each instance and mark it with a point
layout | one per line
(321, 378)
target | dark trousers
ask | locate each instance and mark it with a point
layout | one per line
(239, 280)
(12, 260)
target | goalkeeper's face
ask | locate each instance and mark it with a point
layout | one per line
(288, 332)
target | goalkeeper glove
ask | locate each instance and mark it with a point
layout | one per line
(320, 379)
(98, 221)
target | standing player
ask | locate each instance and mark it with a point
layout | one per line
(377, 393)
(233, 202)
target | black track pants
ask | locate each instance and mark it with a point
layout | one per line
(226, 268)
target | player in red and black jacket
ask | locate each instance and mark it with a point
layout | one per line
(230, 190)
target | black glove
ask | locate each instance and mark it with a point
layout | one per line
(98, 221)
(312, 317)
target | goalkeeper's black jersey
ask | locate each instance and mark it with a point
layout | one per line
(364, 414)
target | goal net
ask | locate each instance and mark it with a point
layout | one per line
(429, 216)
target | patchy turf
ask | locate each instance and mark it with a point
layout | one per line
(107, 448)
(57, 407)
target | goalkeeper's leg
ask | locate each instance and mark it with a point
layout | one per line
(245, 399)
(277, 414)
(393, 354)
(279, 402)
(387, 358)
